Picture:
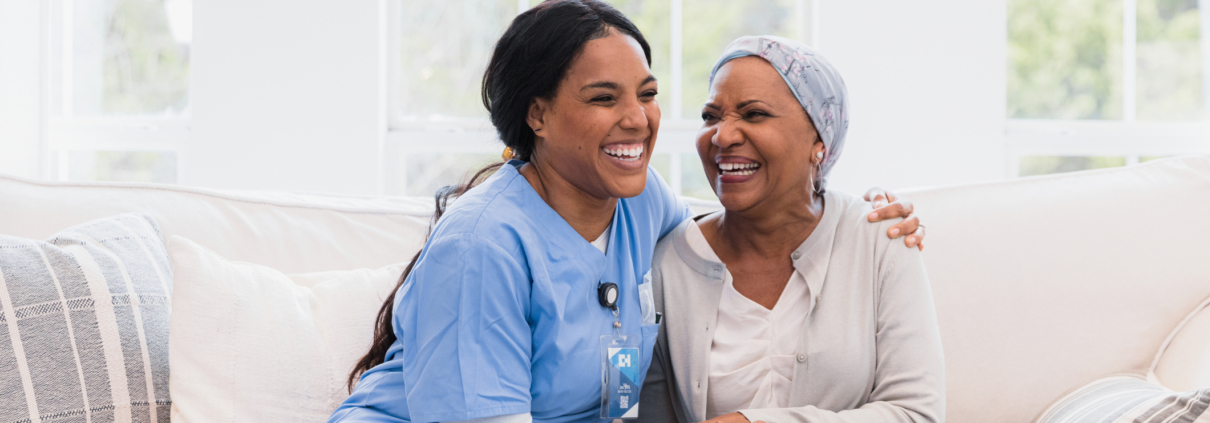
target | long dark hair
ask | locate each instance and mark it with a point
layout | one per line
(529, 62)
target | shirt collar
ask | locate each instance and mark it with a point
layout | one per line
(811, 258)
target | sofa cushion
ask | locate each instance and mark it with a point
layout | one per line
(1129, 399)
(1044, 283)
(294, 233)
(84, 324)
(250, 343)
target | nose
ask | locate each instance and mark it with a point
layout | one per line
(634, 115)
(727, 134)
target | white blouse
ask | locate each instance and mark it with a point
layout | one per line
(752, 355)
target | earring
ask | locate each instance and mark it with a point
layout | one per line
(819, 155)
(538, 130)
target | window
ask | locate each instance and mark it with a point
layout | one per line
(439, 128)
(1105, 83)
(119, 88)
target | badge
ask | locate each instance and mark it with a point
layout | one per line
(619, 380)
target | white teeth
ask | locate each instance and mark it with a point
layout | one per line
(625, 152)
(738, 168)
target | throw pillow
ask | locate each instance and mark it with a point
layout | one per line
(250, 343)
(84, 324)
(1129, 399)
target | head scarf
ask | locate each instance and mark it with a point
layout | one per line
(811, 78)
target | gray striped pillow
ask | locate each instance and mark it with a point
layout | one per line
(84, 324)
(1129, 399)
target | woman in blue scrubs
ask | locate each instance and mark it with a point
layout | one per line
(501, 316)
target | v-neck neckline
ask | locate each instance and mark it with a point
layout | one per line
(560, 226)
(697, 241)
(810, 259)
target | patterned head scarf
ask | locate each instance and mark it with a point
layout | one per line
(813, 80)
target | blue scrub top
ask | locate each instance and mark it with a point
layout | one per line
(500, 314)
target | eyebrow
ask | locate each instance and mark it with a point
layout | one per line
(614, 86)
(738, 106)
(746, 103)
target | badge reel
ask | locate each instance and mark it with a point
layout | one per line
(620, 363)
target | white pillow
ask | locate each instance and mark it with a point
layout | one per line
(247, 343)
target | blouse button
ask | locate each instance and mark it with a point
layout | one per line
(796, 255)
(802, 358)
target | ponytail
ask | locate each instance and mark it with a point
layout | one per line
(384, 332)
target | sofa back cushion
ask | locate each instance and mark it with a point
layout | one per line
(84, 324)
(1045, 283)
(295, 233)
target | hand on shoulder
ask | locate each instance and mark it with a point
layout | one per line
(887, 205)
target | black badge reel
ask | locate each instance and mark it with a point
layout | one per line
(607, 293)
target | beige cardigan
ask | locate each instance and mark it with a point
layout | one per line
(871, 351)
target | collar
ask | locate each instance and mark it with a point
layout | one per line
(811, 258)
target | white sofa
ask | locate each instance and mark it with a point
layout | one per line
(1042, 284)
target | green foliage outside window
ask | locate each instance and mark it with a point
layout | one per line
(1064, 59)
(1169, 61)
(146, 71)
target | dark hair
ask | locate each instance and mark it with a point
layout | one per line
(532, 58)
(529, 61)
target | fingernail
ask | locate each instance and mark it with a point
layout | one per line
(894, 231)
(873, 216)
(911, 241)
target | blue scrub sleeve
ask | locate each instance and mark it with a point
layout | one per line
(466, 337)
(672, 209)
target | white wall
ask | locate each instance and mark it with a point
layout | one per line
(286, 95)
(926, 82)
(19, 87)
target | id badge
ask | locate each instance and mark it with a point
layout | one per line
(619, 387)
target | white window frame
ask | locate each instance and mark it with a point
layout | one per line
(64, 133)
(677, 133)
(1123, 138)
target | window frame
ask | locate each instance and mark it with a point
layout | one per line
(1127, 137)
(64, 133)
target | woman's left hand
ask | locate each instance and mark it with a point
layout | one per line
(735, 417)
(887, 205)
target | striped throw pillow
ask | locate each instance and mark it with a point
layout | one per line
(1129, 399)
(84, 324)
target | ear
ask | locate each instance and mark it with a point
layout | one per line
(536, 118)
(816, 150)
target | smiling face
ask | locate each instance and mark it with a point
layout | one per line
(598, 131)
(757, 145)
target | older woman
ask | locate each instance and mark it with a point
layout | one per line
(787, 306)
